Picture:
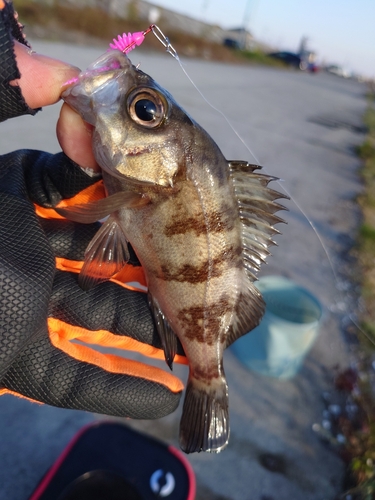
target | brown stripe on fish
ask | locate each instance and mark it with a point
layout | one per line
(203, 323)
(213, 268)
(214, 222)
(208, 372)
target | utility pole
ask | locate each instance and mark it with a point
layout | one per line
(250, 4)
(245, 20)
(204, 9)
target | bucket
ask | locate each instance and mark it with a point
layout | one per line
(289, 328)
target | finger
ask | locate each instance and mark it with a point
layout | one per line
(109, 315)
(42, 77)
(42, 81)
(120, 314)
(75, 138)
(107, 307)
(46, 374)
(69, 240)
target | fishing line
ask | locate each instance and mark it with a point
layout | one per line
(258, 162)
(126, 43)
(299, 207)
(218, 111)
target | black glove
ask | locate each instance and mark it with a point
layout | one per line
(43, 308)
(12, 102)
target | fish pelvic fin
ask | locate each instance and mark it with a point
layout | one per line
(204, 423)
(256, 207)
(106, 254)
(93, 211)
(167, 336)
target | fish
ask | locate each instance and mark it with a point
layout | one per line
(200, 225)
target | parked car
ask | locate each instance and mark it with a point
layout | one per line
(289, 58)
(295, 61)
(232, 44)
(338, 71)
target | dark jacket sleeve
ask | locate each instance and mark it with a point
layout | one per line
(12, 102)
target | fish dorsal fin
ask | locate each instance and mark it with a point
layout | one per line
(96, 210)
(256, 207)
(106, 254)
(167, 336)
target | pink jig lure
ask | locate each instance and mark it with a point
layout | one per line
(128, 42)
(125, 43)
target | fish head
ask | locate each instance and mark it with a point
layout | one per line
(140, 132)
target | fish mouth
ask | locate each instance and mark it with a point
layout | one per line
(130, 180)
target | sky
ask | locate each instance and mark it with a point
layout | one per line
(339, 31)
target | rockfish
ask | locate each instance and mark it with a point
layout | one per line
(200, 226)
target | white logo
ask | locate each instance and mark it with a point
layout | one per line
(168, 483)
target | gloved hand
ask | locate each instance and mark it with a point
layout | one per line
(43, 308)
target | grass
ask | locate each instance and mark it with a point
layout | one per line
(367, 234)
(259, 57)
(360, 447)
(91, 21)
(366, 239)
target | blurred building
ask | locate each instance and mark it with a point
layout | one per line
(150, 13)
(239, 38)
(167, 19)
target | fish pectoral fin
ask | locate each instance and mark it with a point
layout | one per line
(204, 423)
(249, 312)
(93, 211)
(106, 254)
(167, 336)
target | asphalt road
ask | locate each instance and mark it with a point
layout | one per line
(302, 128)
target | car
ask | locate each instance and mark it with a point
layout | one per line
(337, 70)
(289, 58)
(232, 44)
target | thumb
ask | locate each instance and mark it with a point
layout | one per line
(42, 81)
(42, 77)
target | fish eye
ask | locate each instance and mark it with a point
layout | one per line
(146, 108)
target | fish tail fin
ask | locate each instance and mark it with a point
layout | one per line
(204, 423)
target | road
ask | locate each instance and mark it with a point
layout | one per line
(302, 128)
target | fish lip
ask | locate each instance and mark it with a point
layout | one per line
(94, 70)
(131, 180)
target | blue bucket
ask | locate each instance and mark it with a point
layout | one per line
(288, 330)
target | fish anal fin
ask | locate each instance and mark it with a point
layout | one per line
(96, 210)
(249, 312)
(167, 336)
(106, 254)
(204, 423)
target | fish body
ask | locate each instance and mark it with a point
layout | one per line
(200, 227)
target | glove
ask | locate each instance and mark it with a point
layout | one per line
(12, 102)
(46, 317)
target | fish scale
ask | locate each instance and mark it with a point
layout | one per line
(200, 226)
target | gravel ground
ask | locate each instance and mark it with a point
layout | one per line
(302, 128)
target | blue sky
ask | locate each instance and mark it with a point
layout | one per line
(340, 31)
